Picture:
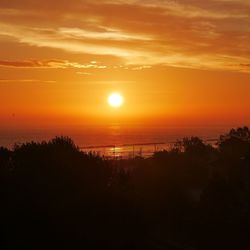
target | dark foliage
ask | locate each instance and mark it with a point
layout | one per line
(194, 196)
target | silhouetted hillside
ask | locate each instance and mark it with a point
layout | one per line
(194, 196)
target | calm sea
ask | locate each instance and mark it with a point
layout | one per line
(113, 140)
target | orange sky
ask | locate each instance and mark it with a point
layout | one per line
(175, 62)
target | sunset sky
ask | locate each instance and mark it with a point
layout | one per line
(174, 62)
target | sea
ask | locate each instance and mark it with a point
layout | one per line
(114, 140)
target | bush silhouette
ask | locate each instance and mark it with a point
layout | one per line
(193, 196)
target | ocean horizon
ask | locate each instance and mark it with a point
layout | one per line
(114, 140)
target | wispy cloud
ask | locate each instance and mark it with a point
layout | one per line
(105, 34)
(211, 34)
(57, 64)
(83, 73)
(25, 81)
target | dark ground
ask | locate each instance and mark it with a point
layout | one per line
(192, 197)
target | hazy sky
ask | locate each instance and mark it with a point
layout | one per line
(174, 61)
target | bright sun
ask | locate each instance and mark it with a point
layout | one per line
(115, 100)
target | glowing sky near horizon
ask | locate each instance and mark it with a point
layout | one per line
(175, 61)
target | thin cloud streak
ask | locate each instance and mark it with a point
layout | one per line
(56, 64)
(25, 81)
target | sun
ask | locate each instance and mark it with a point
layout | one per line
(115, 100)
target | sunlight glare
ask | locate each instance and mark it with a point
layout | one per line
(115, 100)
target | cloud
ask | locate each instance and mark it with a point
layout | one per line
(200, 34)
(245, 65)
(107, 34)
(25, 81)
(57, 64)
(141, 67)
(83, 73)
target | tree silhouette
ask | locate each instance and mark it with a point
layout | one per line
(193, 196)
